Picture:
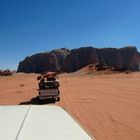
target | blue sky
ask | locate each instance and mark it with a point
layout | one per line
(31, 26)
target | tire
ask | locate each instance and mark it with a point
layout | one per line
(58, 98)
(53, 100)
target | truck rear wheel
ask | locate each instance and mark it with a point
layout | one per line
(58, 98)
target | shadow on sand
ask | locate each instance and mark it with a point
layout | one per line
(36, 101)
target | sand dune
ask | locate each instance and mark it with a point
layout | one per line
(106, 105)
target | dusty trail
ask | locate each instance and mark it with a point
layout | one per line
(108, 106)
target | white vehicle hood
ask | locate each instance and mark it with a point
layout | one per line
(45, 122)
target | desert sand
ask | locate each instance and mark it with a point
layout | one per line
(106, 105)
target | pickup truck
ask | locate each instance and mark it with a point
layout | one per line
(49, 87)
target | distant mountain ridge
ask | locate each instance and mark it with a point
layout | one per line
(41, 62)
(65, 60)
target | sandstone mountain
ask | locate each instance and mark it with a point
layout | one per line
(41, 62)
(125, 58)
(64, 60)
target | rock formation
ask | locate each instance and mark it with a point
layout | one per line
(125, 58)
(41, 62)
(64, 60)
(6, 72)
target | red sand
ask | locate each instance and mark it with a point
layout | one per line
(108, 106)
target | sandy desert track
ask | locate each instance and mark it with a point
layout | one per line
(108, 106)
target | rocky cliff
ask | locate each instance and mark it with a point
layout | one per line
(69, 61)
(41, 62)
(125, 58)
